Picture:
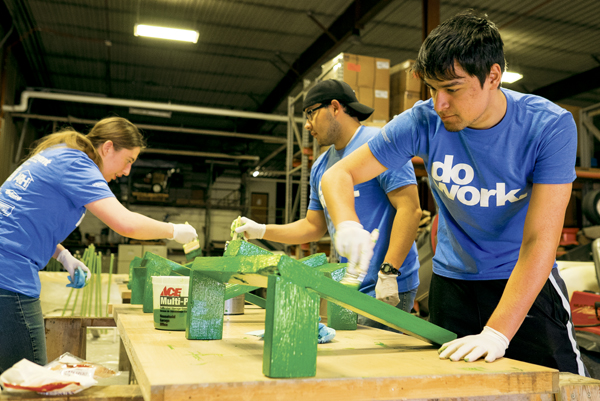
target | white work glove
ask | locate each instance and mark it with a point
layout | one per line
(251, 229)
(183, 233)
(70, 263)
(470, 348)
(356, 244)
(386, 289)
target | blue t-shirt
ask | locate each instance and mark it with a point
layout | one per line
(372, 207)
(41, 203)
(482, 179)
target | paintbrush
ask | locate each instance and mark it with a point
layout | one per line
(192, 249)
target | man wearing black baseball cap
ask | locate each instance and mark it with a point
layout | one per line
(389, 203)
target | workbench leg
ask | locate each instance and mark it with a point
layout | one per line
(206, 306)
(291, 330)
(340, 318)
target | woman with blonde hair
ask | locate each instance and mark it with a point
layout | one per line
(42, 202)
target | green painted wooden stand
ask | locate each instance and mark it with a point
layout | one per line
(292, 304)
(338, 317)
(206, 304)
(291, 330)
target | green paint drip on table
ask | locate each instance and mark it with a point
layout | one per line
(382, 345)
(170, 346)
(206, 305)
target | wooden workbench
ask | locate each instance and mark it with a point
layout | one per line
(366, 364)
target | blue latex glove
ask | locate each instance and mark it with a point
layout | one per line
(326, 334)
(79, 281)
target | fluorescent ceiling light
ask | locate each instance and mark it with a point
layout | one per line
(153, 113)
(510, 77)
(160, 32)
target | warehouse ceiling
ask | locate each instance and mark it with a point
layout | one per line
(252, 54)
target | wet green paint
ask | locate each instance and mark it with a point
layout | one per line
(340, 318)
(206, 304)
(170, 346)
(138, 284)
(291, 330)
(382, 345)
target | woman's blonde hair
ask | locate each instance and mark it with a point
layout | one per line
(120, 131)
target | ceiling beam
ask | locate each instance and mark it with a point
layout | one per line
(571, 86)
(358, 13)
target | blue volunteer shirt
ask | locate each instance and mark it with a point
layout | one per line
(41, 203)
(482, 179)
(372, 207)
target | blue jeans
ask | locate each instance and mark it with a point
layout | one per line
(22, 333)
(407, 300)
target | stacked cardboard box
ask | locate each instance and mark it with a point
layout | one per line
(405, 88)
(369, 77)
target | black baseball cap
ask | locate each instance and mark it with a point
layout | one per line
(326, 91)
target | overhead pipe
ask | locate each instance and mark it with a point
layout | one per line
(166, 128)
(200, 154)
(107, 101)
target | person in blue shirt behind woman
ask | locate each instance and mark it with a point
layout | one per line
(42, 202)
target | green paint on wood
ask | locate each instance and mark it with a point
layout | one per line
(155, 266)
(136, 262)
(340, 318)
(193, 255)
(240, 247)
(206, 304)
(170, 346)
(382, 345)
(291, 330)
(316, 260)
(138, 284)
(364, 304)
(233, 290)
(256, 300)
(245, 270)
(335, 271)
(254, 270)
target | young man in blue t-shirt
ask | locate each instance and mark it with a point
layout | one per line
(389, 202)
(501, 166)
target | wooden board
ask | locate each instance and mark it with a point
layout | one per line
(366, 364)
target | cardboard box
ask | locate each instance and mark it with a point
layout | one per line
(127, 252)
(160, 250)
(377, 99)
(358, 71)
(402, 102)
(402, 79)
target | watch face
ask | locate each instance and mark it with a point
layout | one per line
(388, 268)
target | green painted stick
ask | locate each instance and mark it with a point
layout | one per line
(110, 271)
(256, 300)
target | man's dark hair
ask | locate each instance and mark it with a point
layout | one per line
(472, 41)
(349, 110)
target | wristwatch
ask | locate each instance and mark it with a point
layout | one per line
(388, 268)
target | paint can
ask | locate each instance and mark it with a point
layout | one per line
(235, 305)
(170, 298)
